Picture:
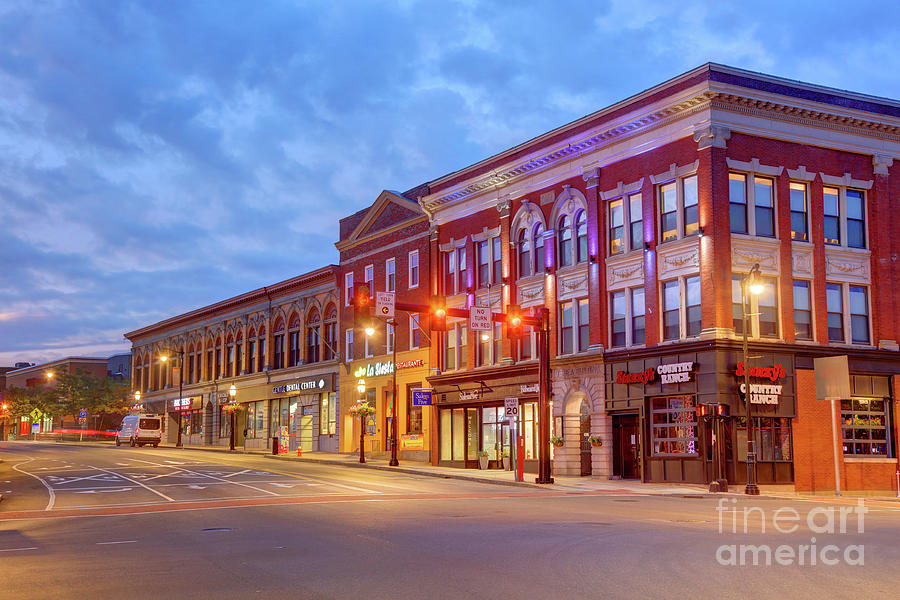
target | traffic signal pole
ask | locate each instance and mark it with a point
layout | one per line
(543, 339)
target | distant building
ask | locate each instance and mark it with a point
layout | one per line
(119, 366)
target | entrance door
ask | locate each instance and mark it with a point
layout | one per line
(626, 446)
(585, 444)
(306, 430)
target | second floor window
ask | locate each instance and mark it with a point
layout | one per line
(455, 347)
(390, 268)
(845, 220)
(251, 356)
(573, 326)
(330, 339)
(490, 262)
(847, 303)
(348, 288)
(413, 330)
(293, 348)
(678, 207)
(278, 362)
(799, 211)
(312, 343)
(751, 204)
(414, 269)
(455, 272)
(564, 235)
(348, 344)
(681, 308)
(230, 360)
(762, 309)
(802, 311)
(627, 317)
(261, 354)
(626, 225)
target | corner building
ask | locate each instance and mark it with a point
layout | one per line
(278, 345)
(635, 227)
(385, 246)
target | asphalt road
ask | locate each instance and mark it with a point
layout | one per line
(106, 522)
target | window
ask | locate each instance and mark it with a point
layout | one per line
(328, 413)
(330, 348)
(218, 362)
(390, 276)
(581, 240)
(681, 319)
(389, 338)
(348, 344)
(413, 330)
(856, 221)
(455, 271)
(673, 427)
(190, 373)
(573, 326)
(489, 346)
(834, 305)
(484, 263)
(540, 261)
(617, 227)
(224, 422)
(678, 205)
(279, 352)
(413, 413)
(799, 220)
(802, 311)
(293, 348)
(757, 200)
(627, 314)
(455, 348)
(261, 356)
(497, 268)
(413, 269)
(523, 246)
(845, 217)
(865, 426)
(256, 419)
(348, 288)
(369, 345)
(369, 277)
(239, 357)
(526, 345)
(251, 356)
(229, 360)
(859, 315)
(773, 438)
(762, 309)
(564, 235)
(312, 342)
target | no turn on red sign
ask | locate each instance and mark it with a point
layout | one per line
(480, 318)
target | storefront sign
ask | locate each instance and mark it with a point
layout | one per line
(408, 364)
(469, 395)
(181, 404)
(385, 368)
(422, 397)
(412, 441)
(763, 393)
(221, 396)
(675, 373)
(529, 388)
(773, 373)
(312, 385)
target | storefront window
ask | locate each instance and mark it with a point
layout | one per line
(224, 423)
(772, 435)
(674, 425)
(328, 414)
(256, 419)
(865, 426)
(413, 413)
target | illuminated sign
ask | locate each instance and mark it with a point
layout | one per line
(773, 373)
(180, 404)
(385, 368)
(422, 397)
(761, 393)
(408, 364)
(673, 373)
(469, 395)
(644, 377)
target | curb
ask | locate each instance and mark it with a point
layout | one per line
(412, 472)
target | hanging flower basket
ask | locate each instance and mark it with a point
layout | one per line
(596, 441)
(557, 442)
(233, 407)
(361, 409)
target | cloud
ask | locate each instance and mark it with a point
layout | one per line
(158, 157)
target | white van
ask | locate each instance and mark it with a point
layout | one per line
(138, 430)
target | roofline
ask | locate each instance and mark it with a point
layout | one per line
(57, 362)
(322, 274)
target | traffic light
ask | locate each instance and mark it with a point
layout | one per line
(513, 321)
(438, 313)
(723, 410)
(704, 410)
(362, 306)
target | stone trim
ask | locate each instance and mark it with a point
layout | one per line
(753, 166)
(846, 181)
(622, 189)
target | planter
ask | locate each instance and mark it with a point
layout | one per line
(596, 444)
(483, 462)
(506, 463)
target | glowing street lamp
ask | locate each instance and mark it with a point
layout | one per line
(232, 391)
(751, 283)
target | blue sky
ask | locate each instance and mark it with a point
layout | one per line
(159, 156)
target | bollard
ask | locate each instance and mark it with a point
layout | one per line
(299, 454)
(274, 445)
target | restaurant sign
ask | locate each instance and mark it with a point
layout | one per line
(762, 393)
(672, 373)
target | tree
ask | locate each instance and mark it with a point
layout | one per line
(99, 395)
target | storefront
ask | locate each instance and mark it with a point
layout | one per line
(376, 378)
(189, 413)
(471, 418)
(667, 425)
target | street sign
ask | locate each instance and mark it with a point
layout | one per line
(384, 304)
(512, 408)
(82, 413)
(82, 420)
(480, 318)
(422, 397)
(35, 414)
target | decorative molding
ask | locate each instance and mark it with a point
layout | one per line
(530, 291)
(453, 243)
(503, 207)
(744, 256)
(753, 166)
(485, 234)
(591, 176)
(801, 260)
(711, 136)
(621, 189)
(846, 180)
(675, 172)
(547, 198)
(678, 258)
(881, 163)
(801, 174)
(630, 273)
(848, 265)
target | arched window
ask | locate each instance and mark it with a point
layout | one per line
(539, 260)
(581, 245)
(261, 349)
(190, 367)
(278, 345)
(251, 351)
(564, 235)
(330, 333)
(239, 354)
(524, 247)
(229, 357)
(312, 336)
(294, 341)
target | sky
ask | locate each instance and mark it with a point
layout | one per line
(159, 156)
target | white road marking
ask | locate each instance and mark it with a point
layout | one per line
(283, 485)
(46, 485)
(105, 490)
(194, 486)
(232, 474)
(122, 542)
(160, 494)
(271, 493)
(17, 549)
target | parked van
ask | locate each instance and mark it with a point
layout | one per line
(138, 430)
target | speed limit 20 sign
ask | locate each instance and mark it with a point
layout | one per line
(512, 407)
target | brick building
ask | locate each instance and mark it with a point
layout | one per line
(386, 247)
(278, 345)
(636, 227)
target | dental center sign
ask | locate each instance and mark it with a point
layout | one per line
(762, 393)
(674, 373)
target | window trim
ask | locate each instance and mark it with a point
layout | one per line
(629, 316)
(753, 308)
(680, 208)
(846, 315)
(811, 311)
(575, 304)
(806, 188)
(409, 269)
(750, 203)
(390, 268)
(348, 288)
(842, 216)
(682, 308)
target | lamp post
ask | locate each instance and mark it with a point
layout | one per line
(395, 409)
(232, 391)
(750, 284)
(164, 358)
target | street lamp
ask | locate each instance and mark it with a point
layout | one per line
(361, 388)
(232, 391)
(751, 283)
(394, 408)
(163, 359)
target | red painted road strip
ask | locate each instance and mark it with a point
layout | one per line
(268, 501)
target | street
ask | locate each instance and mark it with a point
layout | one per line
(100, 522)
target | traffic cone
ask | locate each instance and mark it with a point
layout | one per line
(299, 453)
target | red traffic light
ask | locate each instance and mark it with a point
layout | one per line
(513, 321)
(361, 297)
(438, 313)
(723, 410)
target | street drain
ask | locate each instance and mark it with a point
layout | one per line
(210, 529)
